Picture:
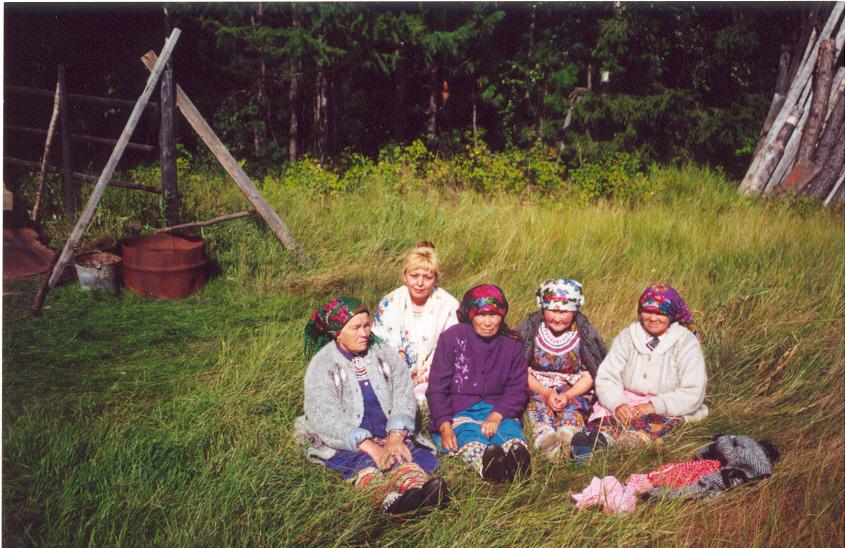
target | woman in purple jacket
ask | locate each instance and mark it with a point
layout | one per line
(478, 389)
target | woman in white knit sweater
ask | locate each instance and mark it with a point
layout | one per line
(653, 377)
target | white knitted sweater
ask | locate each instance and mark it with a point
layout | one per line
(674, 373)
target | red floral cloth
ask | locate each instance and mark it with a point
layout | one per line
(673, 475)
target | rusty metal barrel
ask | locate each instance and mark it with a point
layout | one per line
(165, 266)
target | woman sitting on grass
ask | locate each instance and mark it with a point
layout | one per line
(652, 379)
(563, 351)
(478, 389)
(411, 318)
(359, 411)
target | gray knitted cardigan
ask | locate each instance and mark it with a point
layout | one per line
(334, 405)
(592, 349)
(744, 461)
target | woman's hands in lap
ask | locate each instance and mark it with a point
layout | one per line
(555, 401)
(491, 424)
(385, 457)
(626, 413)
(448, 439)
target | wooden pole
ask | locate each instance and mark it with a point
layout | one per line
(75, 137)
(170, 191)
(51, 130)
(83, 177)
(819, 104)
(70, 206)
(836, 195)
(210, 222)
(88, 213)
(234, 169)
(76, 97)
(771, 155)
(821, 187)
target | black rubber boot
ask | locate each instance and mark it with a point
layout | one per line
(494, 468)
(519, 463)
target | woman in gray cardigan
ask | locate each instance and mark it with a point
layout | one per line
(360, 409)
(652, 379)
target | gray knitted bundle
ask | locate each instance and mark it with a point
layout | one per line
(744, 461)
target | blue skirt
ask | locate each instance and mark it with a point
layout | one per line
(467, 426)
(350, 463)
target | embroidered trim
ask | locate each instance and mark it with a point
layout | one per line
(567, 342)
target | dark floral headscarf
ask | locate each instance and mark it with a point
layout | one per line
(482, 298)
(328, 320)
(665, 300)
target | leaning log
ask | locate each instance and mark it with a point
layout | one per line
(770, 157)
(42, 176)
(819, 104)
(822, 185)
(836, 195)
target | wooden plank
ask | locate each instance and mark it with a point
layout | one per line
(78, 98)
(234, 169)
(83, 177)
(91, 206)
(82, 138)
(170, 191)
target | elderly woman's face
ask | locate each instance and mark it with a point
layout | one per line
(419, 282)
(354, 335)
(558, 320)
(655, 324)
(486, 324)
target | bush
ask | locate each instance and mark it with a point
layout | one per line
(622, 176)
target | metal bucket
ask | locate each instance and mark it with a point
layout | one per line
(165, 266)
(98, 271)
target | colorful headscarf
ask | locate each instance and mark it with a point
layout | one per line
(561, 294)
(663, 299)
(328, 320)
(482, 298)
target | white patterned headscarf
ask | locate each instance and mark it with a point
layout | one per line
(561, 294)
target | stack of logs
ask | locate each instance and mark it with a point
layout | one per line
(801, 148)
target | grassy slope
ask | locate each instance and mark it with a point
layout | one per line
(130, 422)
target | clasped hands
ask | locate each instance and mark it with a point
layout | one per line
(626, 413)
(555, 401)
(394, 451)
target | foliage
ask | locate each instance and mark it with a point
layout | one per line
(621, 176)
(135, 423)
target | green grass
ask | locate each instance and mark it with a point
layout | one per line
(129, 422)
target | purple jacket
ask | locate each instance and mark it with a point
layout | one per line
(467, 370)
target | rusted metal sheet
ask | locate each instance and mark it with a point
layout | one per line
(23, 254)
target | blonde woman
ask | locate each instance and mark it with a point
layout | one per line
(411, 318)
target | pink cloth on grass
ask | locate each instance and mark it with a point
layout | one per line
(607, 493)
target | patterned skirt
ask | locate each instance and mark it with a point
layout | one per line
(639, 430)
(350, 463)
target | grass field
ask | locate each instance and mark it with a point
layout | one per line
(129, 422)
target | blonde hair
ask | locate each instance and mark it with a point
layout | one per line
(423, 256)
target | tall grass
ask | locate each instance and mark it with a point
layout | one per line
(169, 423)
